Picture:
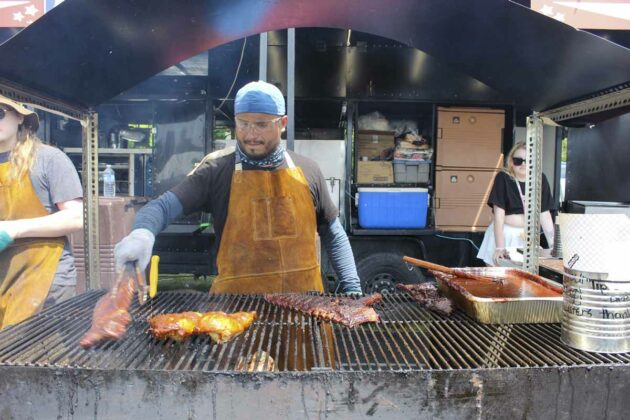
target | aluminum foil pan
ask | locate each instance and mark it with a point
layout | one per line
(515, 297)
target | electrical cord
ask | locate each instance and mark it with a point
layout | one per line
(459, 239)
(238, 69)
(226, 115)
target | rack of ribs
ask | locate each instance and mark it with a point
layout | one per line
(343, 310)
(111, 313)
(221, 327)
(427, 295)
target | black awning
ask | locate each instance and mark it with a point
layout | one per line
(88, 51)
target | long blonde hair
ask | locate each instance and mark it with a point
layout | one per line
(509, 165)
(23, 153)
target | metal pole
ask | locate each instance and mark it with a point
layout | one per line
(291, 88)
(533, 192)
(90, 202)
(131, 181)
(350, 110)
(557, 168)
(262, 66)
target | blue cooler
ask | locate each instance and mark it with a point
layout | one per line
(393, 208)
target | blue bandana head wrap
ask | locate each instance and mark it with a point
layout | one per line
(259, 97)
(262, 98)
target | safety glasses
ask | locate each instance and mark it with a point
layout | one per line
(256, 126)
(518, 161)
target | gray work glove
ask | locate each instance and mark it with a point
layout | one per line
(137, 246)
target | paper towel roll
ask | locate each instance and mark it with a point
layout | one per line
(597, 243)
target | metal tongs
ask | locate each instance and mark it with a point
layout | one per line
(131, 270)
(457, 272)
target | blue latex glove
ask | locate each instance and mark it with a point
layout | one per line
(5, 240)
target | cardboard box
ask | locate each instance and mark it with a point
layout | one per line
(375, 173)
(371, 144)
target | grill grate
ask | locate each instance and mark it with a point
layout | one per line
(407, 338)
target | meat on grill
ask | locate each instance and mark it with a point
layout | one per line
(111, 314)
(427, 295)
(221, 327)
(258, 362)
(347, 311)
(176, 326)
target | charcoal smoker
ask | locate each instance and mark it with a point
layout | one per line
(412, 364)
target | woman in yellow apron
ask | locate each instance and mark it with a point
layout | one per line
(40, 203)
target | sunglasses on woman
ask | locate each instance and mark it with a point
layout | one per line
(518, 161)
(3, 112)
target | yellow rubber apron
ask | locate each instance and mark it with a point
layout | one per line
(27, 266)
(269, 241)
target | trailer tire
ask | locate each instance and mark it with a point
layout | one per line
(381, 273)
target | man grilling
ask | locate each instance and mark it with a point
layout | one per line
(267, 205)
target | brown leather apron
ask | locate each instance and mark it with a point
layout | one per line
(269, 246)
(269, 241)
(27, 266)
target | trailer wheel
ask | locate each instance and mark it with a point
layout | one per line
(381, 273)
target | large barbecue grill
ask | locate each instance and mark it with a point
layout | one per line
(410, 363)
(408, 338)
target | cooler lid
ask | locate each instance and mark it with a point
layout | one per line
(394, 190)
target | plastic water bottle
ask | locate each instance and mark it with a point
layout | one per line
(109, 182)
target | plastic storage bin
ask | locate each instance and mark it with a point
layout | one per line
(411, 171)
(393, 208)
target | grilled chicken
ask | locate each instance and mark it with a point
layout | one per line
(175, 326)
(111, 314)
(221, 327)
(346, 311)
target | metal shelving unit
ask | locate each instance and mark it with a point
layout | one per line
(130, 164)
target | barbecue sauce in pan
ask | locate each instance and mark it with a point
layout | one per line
(511, 286)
